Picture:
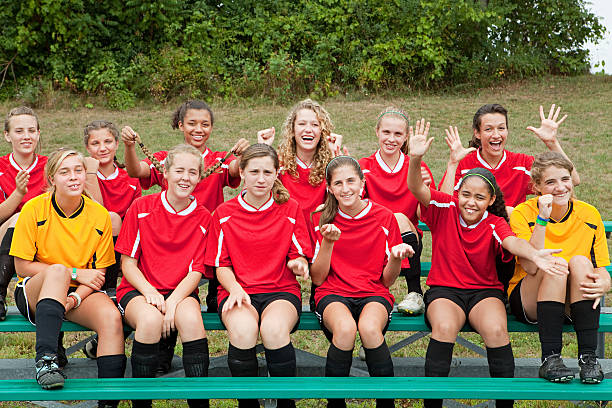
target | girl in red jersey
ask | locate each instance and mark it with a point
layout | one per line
(385, 175)
(358, 256)
(21, 178)
(262, 243)
(555, 218)
(161, 271)
(468, 233)
(63, 244)
(487, 149)
(107, 181)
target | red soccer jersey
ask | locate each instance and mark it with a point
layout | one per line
(208, 192)
(257, 243)
(512, 173)
(8, 171)
(463, 256)
(308, 196)
(360, 255)
(167, 244)
(118, 191)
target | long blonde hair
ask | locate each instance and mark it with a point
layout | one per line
(55, 161)
(287, 150)
(279, 193)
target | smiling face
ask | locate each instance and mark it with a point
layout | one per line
(259, 175)
(69, 179)
(474, 199)
(346, 186)
(307, 131)
(558, 182)
(196, 127)
(102, 145)
(182, 176)
(492, 134)
(392, 133)
(23, 134)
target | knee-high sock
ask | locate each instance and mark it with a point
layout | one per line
(281, 363)
(243, 363)
(413, 275)
(379, 364)
(338, 364)
(144, 363)
(501, 364)
(49, 315)
(437, 364)
(550, 326)
(195, 363)
(112, 366)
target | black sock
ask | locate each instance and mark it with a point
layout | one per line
(338, 364)
(7, 263)
(112, 272)
(243, 363)
(550, 326)
(49, 315)
(437, 364)
(413, 275)
(501, 364)
(112, 366)
(195, 363)
(586, 324)
(380, 364)
(281, 363)
(144, 363)
(166, 352)
(211, 296)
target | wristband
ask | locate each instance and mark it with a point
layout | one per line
(73, 274)
(77, 298)
(542, 221)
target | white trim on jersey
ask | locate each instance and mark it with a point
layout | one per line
(136, 244)
(190, 266)
(219, 247)
(297, 245)
(111, 177)
(523, 169)
(142, 215)
(291, 220)
(464, 224)
(365, 171)
(316, 251)
(192, 206)
(302, 164)
(203, 230)
(205, 153)
(486, 165)
(133, 187)
(222, 220)
(495, 234)
(249, 207)
(18, 167)
(385, 167)
(442, 205)
(361, 214)
(386, 231)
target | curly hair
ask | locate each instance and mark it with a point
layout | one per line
(287, 150)
(395, 112)
(499, 205)
(484, 110)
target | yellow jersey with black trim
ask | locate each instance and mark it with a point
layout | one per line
(579, 232)
(83, 240)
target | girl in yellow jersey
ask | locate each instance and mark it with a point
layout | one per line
(62, 247)
(556, 219)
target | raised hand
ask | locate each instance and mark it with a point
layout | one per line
(240, 146)
(419, 144)
(402, 251)
(266, 136)
(547, 132)
(129, 136)
(545, 205)
(21, 182)
(457, 151)
(330, 232)
(91, 164)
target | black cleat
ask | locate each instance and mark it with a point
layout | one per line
(590, 369)
(553, 369)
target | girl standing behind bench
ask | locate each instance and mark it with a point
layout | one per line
(163, 242)
(262, 243)
(357, 258)
(468, 233)
(62, 247)
(555, 218)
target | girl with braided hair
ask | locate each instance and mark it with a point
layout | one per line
(468, 233)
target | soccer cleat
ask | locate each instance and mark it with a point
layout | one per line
(553, 369)
(48, 373)
(590, 369)
(412, 304)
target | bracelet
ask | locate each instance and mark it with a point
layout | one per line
(73, 274)
(542, 221)
(77, 298)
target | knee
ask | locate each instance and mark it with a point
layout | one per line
(579, 266)
(404, 223)
(345, 331)
(495, 333)
(149, 323)
(189, 323)
(244, 334)
(445, 329)
(369, 331)
(113, 323)
(272, 330)
(115, 223)
(58, 273)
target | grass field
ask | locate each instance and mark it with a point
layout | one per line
(585, 135)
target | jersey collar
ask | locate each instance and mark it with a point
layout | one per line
(251, 208)
(486, 165)
(463, 223)
(18, 167)
(111, 177)
(61, 213)
(385, 167)
(361, 214)
(302, 164)
(566, 215)
(192, 206)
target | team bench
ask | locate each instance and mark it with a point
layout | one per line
(307, 387)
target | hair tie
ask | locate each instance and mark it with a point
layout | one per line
(395, 112)
(482, 177)
(337, 157)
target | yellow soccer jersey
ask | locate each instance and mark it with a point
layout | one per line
(579, 232)
(45, 234)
